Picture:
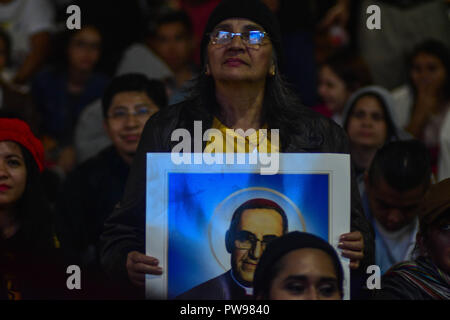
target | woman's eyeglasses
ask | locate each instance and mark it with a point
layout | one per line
(250, 38)
(122, 114)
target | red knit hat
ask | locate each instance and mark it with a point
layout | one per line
(18, 131)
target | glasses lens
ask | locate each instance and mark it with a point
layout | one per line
(221, 37)
(142, 111)
(255, 37)
(244, 240)
(119, 114)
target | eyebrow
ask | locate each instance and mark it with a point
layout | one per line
(134, 106)
(222, 26)
(13, 155)
(247, 27)
(249, 232)
(252, 27)
(305, 278)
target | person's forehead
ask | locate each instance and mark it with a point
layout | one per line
(390, 196)
(126, 98)
(260, 218)
(425, 57)
(172, 27)
(308, 261)
(238, 23)
(369, 102)
(87, 33)
(443, 219)
(10, 147)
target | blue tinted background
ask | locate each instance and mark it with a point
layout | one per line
(193, 198)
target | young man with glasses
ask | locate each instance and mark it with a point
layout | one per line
(93, 189)
(253, 225)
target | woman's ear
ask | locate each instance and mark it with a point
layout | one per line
(207, 72)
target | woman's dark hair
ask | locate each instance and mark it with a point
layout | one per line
(33, 209)
(7, 40)
(391, 133)
(154, 89)
(281, 106)
(351, 68)
(438, 50)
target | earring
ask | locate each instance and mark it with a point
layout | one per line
(272, 71)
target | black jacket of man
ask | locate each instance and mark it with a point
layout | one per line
(125, 228)
(89, 195)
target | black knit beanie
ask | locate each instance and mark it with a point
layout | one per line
(282, 246)
(254, 10)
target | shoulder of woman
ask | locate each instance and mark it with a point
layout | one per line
(158, 129)
(319, 132)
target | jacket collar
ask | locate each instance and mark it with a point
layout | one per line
(304, 139)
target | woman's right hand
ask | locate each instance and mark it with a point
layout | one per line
(138, 265)
(425, 105)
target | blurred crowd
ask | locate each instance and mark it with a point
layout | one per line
(86, 95)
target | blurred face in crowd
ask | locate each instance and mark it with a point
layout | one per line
(84, 49)
(393, 209)
(173, 44)
(237, 61)
(332, 90)
(257, 227)
(13, 174)
(305, 274)
(127, 115)
(438, 243)
(367, 125)
(428, 72)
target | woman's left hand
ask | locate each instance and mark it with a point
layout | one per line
(352, 245)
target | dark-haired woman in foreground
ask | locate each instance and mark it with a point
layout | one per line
(299, 266)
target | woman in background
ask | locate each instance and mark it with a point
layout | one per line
(11, 99)
(340, 76)
(62, 92)
(423, 105)
(29, 268)
(369, 121)
(299, 266)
